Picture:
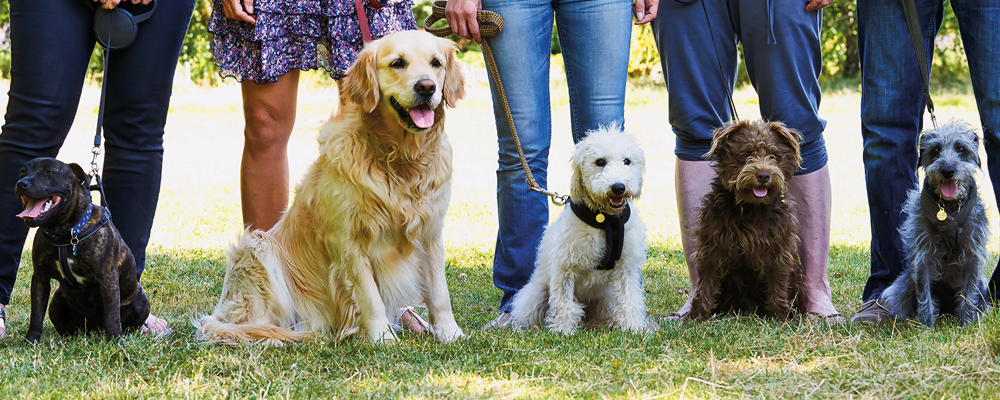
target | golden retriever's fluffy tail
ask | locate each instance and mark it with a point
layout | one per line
(256, 303)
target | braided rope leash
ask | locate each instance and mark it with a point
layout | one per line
(491, 24)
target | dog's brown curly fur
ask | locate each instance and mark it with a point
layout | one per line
(747, 256)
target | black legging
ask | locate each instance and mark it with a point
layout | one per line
(51, 44)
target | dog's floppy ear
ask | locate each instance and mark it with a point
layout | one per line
(790, 137)
(454, 78)
(975, 151)
(360, 83)
(720, 135)
(81, 176)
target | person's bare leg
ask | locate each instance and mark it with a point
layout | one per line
(692, 180)
(3, 321)
(269, 110)
(812, 193)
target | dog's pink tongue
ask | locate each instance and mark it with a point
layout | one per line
(33, 209)
(422, 117)
(760, 192)
(949, 188)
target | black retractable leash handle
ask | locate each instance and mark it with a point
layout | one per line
(115, 29)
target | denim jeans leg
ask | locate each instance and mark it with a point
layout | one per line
(522, 56)
(51, 43)
(892, 109)
(596, 84)
(979, 22)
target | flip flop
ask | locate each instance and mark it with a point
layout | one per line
(410, 320)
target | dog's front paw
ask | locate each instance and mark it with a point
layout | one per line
(563, 328)
(446, 335)
(383, 337)
(33, 337)
(926, 320)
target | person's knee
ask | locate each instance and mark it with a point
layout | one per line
(267, 127)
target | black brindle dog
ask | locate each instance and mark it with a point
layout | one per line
(77, 245)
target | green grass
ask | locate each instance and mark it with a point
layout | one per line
(729, 357)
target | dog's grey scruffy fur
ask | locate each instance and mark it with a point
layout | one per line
(946, 257)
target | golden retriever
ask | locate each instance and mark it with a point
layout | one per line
(363, 234)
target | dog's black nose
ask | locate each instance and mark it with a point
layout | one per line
(763, 177)
(947, 173)
(618, 188)
(23, 184)
(425, 87)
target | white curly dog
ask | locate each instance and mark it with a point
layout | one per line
(588, 266)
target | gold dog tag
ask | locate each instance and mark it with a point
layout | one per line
(600, 218)
(941, 215)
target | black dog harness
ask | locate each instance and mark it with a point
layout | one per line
(614, 231)
(71, 238)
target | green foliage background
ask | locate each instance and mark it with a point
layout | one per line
(840, 49)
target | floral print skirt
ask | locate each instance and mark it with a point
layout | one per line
(299, 34)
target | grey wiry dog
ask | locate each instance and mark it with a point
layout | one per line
(945, 233)
(589, 259)
(77, 245)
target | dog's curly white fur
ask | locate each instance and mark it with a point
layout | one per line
(363, 235)
(565, 289)
(945, 233)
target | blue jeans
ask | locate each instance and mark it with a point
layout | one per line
(595, 37)
(782, 50)
(892, 109)
(51, 44)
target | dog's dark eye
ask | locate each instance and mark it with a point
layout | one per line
(628, 162)
(936, 150)
(51, 172)
(398, 63)
(600, 162)
(436, 63)
(960, 149)
(745, 154)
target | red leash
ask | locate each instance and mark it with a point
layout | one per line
(359, 7)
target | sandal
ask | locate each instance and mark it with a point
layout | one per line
(155, 326)
(410, 320)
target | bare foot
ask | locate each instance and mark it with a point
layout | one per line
(155, 326)
(819, 303)
(411, 321)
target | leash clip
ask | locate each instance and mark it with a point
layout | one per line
(559, 200)
(74, 241)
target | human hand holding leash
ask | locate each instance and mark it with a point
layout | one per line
(461, 16)
(815, 5)
(645, 10)
(238, 10)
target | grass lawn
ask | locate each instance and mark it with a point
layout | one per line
(728, 357)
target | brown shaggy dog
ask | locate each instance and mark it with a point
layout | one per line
(747, 257)
(363, 235)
